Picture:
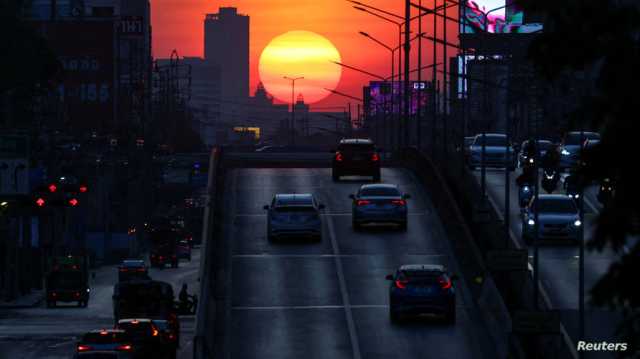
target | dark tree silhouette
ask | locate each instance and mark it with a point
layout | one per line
(602, 38)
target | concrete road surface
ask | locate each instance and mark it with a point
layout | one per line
(330, 299)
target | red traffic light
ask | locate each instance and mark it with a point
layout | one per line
(83, 189)
(73, 202)
(40, 202)
(52, 187)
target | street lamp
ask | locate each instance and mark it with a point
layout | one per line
(293, 105)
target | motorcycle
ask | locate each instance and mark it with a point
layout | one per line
(550, 180)
(189, 307)
(606, 191)
(571, 188)
(524, 194)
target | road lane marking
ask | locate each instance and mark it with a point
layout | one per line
(355, 345)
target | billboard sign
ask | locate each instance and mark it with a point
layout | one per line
(85, 50)
(494, 16)
(381, 96)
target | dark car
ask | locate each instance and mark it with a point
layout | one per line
(379, 203)
(572, 144)
(169, 336)
(294, 215)
(422, 289)
(183, 250)
(356, 157)
(105, 340)
(131, 269)
(145, 336)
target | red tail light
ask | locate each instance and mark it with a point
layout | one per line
(77, 294)
(40, 202)
(445, 282)
(362, 202)
(401, 284)
(73, 202)
(83, 348)
(338, 156)
(124, 347)
(375, 157)
(123, 269)
(161, 257)
(399, 202)
(140, 270)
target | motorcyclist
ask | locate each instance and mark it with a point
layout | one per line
(528, 176)
(551, 159)
(185, 299)
(571, 185)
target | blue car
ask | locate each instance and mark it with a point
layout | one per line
(558, 218)
(422, 289)
(379, 203)
(294, 216)
(571, 145)
(497, 152)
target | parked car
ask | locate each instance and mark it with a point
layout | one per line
(571, 145)
(356, 157)
(558, 218)
(294, 215)
(496, 148)
(379, 203)
(422, 289)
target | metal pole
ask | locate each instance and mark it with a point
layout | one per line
(398, 121)
(419, 112)
(390, 119)
(536, 227)
(507, 181)
(407, 50)
(581, 239)
(445, 104)
(433, 79)
(293, 112)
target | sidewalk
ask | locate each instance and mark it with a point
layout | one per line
(30, 300)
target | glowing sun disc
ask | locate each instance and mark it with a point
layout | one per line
(300, 54)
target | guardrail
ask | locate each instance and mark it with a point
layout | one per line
(487, 226)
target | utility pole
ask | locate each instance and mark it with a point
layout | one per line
(293, 106)
(419, 109)
(407, 50)
(433, 80)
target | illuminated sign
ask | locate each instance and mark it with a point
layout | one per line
(494, 16)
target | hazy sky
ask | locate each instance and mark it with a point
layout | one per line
(179, 24)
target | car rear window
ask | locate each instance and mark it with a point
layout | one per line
(350, 148)
(422, 277)
(140, 330)
(290, 209)
(491, 141)
(108, 338)
(556, 206)
(380, 191)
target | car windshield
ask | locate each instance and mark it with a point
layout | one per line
(66, 280)
(380, 191)
(495, 141)
(356, 148)
(574, 138)
(295, 209)
(556, 206)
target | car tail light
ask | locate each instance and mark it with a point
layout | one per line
(445, 282)
(54, 294)
(155, 332)
(399, 202)
(77, 294)
(83, 348)
(171, 336)
(161, 257)
(401, 284)
(124, 347)
(362, 202)
(375, 157)
(140, 270)
(338, 156)
(123, 269)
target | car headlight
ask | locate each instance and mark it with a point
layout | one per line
(577, 223)
(531, 160)
(531, 222)
(526, 189)
(565, 152)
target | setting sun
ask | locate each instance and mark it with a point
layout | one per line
(300, 54)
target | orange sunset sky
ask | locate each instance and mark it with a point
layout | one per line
(179, 24)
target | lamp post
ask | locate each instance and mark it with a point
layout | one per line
(293, 106)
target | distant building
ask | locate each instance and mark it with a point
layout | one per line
(266, 115)
(205, 100)
(226, 44)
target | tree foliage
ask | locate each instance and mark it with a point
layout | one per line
(601, 39)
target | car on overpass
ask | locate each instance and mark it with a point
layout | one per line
(496, 148)
(294, 215)
(422, 289)
(356, 157)
(571, 145)
(379, 203)
(558, 218)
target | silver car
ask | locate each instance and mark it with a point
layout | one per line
(294, 216)
(558, 218)
(496, 148)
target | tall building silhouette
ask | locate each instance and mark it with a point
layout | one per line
(226, 45)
